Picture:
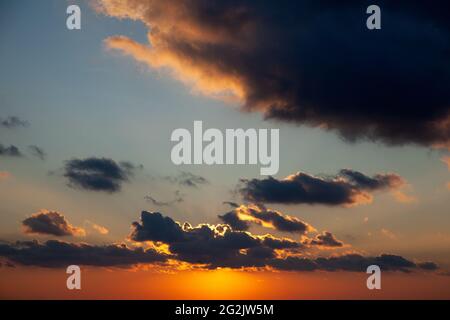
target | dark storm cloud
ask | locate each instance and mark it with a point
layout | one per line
(13, 122)
(349, 187)
(98, 174)
(50, 223)
(59, 254)
(310, 62)
(325, 239)
(217, 246)
(11, 151)
(241, 217)
(187, 179)
(37, 152)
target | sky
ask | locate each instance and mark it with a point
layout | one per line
(85, 123)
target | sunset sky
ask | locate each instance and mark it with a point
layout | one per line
(86, 176)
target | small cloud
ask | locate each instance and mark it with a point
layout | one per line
(187, 179)
(178, 197)
(37, 152)
(47, 222)
(13, 122)
(389, 234)
(11, 151)
(98, 228)
(402, 197)
(325, 239)
(98, 174)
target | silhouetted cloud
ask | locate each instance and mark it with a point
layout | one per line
(187, 179)
(349, 187)
(325, 239)
(37, 152)
(428, 265)
(241, 217)
(219, 245)
(13, 122)
(294, 61)
(348, 262)
(98, 174)
(59, 254)
(11, 151)
(212, 245)
(53, 223)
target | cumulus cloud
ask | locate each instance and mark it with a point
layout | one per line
(47, 222)
(11, 151)
(59, 254)
(12, 122)
(37, 152)
(294, 62)
(347, 188)
(241, 217)
(187, 179)
(98, 174)
(212, 245)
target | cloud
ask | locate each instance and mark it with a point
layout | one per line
(428, 266)
(212, 245)
(98, 174)
(215, 246)
(348, 262)
(203, 246)
(178, 197)
(98, 228)
(295, 63)
(325, 239)
(37, 152)
(47, 222)
(59, 254)
(241, 217)
(11, 151)
(187, 179)
(13, 122)
(347, 188)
